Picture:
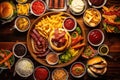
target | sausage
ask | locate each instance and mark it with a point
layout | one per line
(38, 49)
(56, 5)
(44, 54)
(62, 3)
(33, 47)
(35, 38)
(37, 35)
(50, 4)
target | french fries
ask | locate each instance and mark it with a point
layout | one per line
(23, 9)
(46, 25)
(92, 17)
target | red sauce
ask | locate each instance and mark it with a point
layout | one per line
(69, 24)
(41, 73)
(97, 2)
(95, 37)
(38, 7)
(77, 69)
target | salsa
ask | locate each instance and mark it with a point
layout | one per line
(38, 7)
(69, 24)
(77, 69)
(95, 37)
(41, 73)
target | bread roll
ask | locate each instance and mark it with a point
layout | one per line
(6, 10)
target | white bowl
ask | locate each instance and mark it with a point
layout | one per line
(16, 27)
(22, 1)
(31, 10)
(66, 77)
(75, 24)
(24, 67)
(81, 75)
(100, 52)
(78, 13)
(41, 67)
(97, 6)
(88, 22)
(102, 34)
(23, 45)
(53, 55)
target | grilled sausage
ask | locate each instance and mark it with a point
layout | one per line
(62, 3)
(50, 4)
(56, 6)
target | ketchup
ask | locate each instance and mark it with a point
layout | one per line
(38, 7)
(41, 74)
(95, 37)
(69, 24)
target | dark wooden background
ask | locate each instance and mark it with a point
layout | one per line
(9, 38)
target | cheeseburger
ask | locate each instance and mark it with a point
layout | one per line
(6, 10)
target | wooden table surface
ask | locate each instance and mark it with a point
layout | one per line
(9, 38)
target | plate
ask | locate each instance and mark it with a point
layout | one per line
(11, 60)
(42, 59)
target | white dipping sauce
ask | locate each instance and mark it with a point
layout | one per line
(77, 5)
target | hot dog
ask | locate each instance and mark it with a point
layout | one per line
(56, 6)
(50, 4)
(62, 3)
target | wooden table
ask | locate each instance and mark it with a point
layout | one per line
(9, 38)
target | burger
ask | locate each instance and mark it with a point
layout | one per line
(96, 66)
(6, 10)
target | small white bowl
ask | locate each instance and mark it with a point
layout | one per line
(24, 67)
(75, 24)
(97, 6)
(21, 1)
(39, 75)
(81, 75)
(23, 46)
(66, 77)
(31, 10)
(78, 13)
(101, 33)
(100, 51)
(23, 17)
(52, 56)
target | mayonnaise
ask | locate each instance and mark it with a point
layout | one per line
(77, 5)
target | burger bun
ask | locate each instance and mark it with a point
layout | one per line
(6, 10)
